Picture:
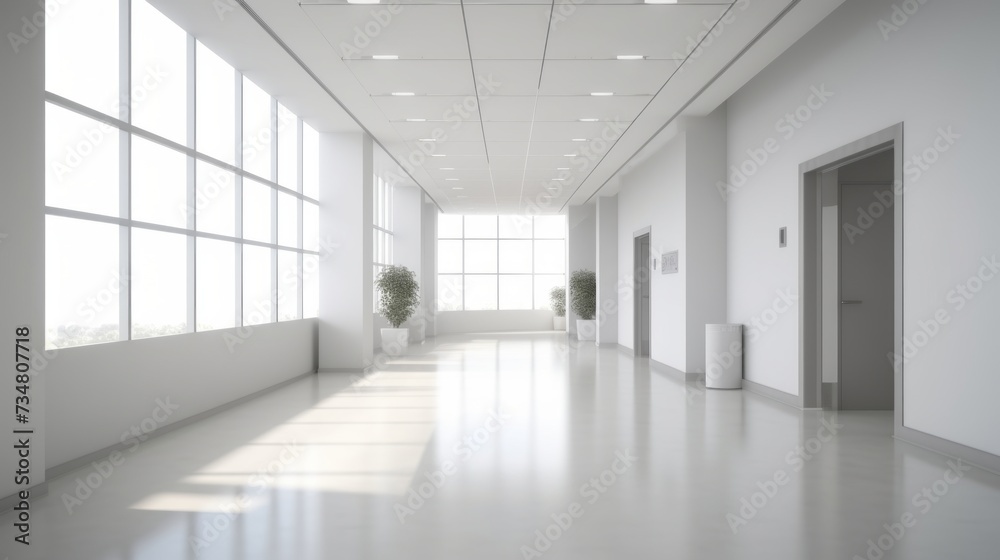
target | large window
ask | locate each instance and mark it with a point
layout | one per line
(499, 262)
(168, 211)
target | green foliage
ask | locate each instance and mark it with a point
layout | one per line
(583, 293)
(398, 294)
(557, 300)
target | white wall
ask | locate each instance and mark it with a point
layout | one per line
(98, 392)
(928, 73)
(428, 272)
(22, 232)
(653, 195)
(831, 276)
(457, 322)
(581, 251)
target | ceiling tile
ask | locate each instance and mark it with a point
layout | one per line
(616, 108)
(504, 108)
(442, 77)
(442, 130)
(413, 31)
(508, 77)
(626, 77)
(507, 31)
(605, 31)
(507, 131)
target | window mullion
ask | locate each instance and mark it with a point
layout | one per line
(238, 158)
(125, 170)
(192, 217)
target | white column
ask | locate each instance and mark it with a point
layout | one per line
(581, 253)
(345, 218)
(607, 270)
(407, 234)
(22, 236)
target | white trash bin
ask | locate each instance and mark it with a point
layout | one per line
(724, 356)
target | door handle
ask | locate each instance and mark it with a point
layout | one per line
(850, 302)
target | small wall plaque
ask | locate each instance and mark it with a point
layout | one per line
(670, 262)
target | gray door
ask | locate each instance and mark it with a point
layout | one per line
(642, 278)
(866, 294)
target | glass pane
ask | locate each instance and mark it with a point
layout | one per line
(81, 54)
(550, 256)
(480, 293)
(449, 292)
(159, 184)
(159, 283)
(449, 257)
(215, 199)
(288, 220)
(310, 285)
(82, 282)
(515, 292)
(81, 163)
(543, 286)
(449, 226)
(288, 286)
(550, 227)
(515, 256)
(480, 256)
(216, 284)
(288, 149)
(257, 135)
(310, 162)
(257, 281)
(216, 101)
(481, 227)
(256, 211)
(518, 227)
(159, 73)
(310, 226)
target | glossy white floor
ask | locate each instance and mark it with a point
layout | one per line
(508, 437)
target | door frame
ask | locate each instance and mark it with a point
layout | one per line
(811, 265)
(637, 296)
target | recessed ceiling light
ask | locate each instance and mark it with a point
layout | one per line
(451, 179)
(562, 169)
(655, 1)
(559, 179)
(416, 120)
(579, 139)
(426, 139)
(630, 57)
(403, 93)
(437, 155)
(596, 93)
(388, 57)
(588, 120)
(569, 155)
(458, 188)
(363, 1)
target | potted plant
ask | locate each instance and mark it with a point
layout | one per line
(583, 298)
(557, 300)
(398, 297)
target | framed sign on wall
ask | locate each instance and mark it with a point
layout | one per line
(670, 263)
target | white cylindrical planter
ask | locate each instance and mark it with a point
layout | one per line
(586, 330)
(724, 356)
(559, 323)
